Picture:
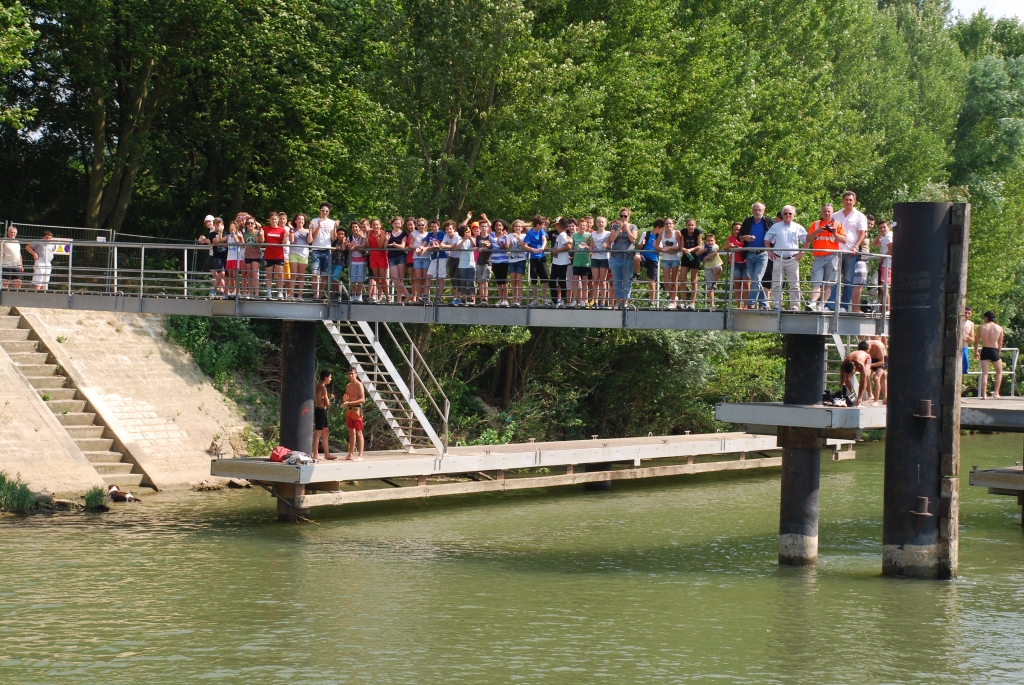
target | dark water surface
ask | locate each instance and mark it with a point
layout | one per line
(656, 582)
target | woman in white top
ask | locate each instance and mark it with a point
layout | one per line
(599, 272)
(467, 269)
(298, 256)
(668, 247)
(235, 238)
(516, 261)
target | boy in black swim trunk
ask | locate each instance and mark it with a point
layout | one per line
(321, 401)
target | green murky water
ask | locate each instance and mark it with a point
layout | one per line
(657, 582)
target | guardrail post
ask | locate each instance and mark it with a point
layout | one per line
(115, 269)
(185, 262)
(142, 272)
(71, 257)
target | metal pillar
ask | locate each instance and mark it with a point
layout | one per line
(298, 379)
(801, 453)
(922, 441)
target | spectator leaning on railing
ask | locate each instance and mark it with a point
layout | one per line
(855, 224)
(751, 234)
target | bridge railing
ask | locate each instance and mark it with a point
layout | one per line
(192, 271)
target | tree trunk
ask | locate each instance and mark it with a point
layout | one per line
(99, 143)
(510, 367)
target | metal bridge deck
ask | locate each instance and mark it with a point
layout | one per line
(806, 323)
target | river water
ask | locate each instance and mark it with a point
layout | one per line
(659, 581)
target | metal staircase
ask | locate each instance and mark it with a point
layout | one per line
(360, 342)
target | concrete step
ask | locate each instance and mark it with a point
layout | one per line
(16, 346)
(123, 480)
(29, 358)
(94, 444)
(38, 369)
(57, 393)
(85, 431)
(4, 311)
(103, 457)
(57, 406)
(111, 468)
(14, 333)
(76, 418)
(9, 321)
(41, 382)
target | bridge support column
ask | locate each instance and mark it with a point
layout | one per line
(801, 453)
(922, 440)
(298, 379)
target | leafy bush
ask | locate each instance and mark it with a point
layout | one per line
(220, 346)
(15, 495)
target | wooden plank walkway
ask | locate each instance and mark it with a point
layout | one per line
(329, 482)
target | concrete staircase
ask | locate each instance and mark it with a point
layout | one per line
(33, 360)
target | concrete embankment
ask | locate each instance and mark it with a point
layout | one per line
(157, 406)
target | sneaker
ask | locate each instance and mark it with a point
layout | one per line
(559, 304)
(794, 308)
(516, 304)
(456, 302)
(280, 295)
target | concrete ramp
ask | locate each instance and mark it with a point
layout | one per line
(159, 408)
(33, 443)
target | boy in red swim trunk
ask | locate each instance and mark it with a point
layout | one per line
(355, 395)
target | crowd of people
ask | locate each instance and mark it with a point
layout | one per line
(584, 262)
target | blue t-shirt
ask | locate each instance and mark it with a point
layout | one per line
(648, 247)
(534, 238)
(757, 229)
(431, 237)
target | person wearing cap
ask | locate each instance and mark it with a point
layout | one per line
(215, 238)
(482, 236)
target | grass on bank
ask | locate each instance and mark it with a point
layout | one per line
(15, 495)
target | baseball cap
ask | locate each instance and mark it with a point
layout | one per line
(209, 217)
(475, 224)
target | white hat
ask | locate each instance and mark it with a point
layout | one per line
(209, 217)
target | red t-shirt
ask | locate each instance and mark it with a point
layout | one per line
(274, 236)
(740, 257)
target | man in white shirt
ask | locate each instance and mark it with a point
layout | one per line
(42, 252)
(321, 233)
(784, 239)
(855, 224)
(11, 269)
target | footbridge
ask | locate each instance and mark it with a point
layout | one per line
(923, 417)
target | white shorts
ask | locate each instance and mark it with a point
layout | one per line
(438, 268)
(41, 274)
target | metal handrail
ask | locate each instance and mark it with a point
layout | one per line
(1012, 371)
(184, 271)
(415, 376)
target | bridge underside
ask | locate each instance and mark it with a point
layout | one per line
(806, 323)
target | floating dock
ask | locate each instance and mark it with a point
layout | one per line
(495, 468)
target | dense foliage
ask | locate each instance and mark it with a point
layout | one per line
(144, 115)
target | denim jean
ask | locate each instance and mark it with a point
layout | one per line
(757, 262)
(849, 270)
(622, 276)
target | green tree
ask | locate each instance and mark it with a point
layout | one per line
(16, 36)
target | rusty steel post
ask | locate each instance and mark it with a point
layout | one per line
(922, 441)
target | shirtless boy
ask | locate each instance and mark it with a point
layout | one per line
(858, 361)
(879, 368)
(968, 337)
(354, 398)
(321, 401)
(991, 337)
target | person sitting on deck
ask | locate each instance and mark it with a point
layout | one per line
(355, 396)
(857, 362)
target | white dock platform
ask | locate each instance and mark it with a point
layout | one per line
(480, 461)
(1006, 415)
